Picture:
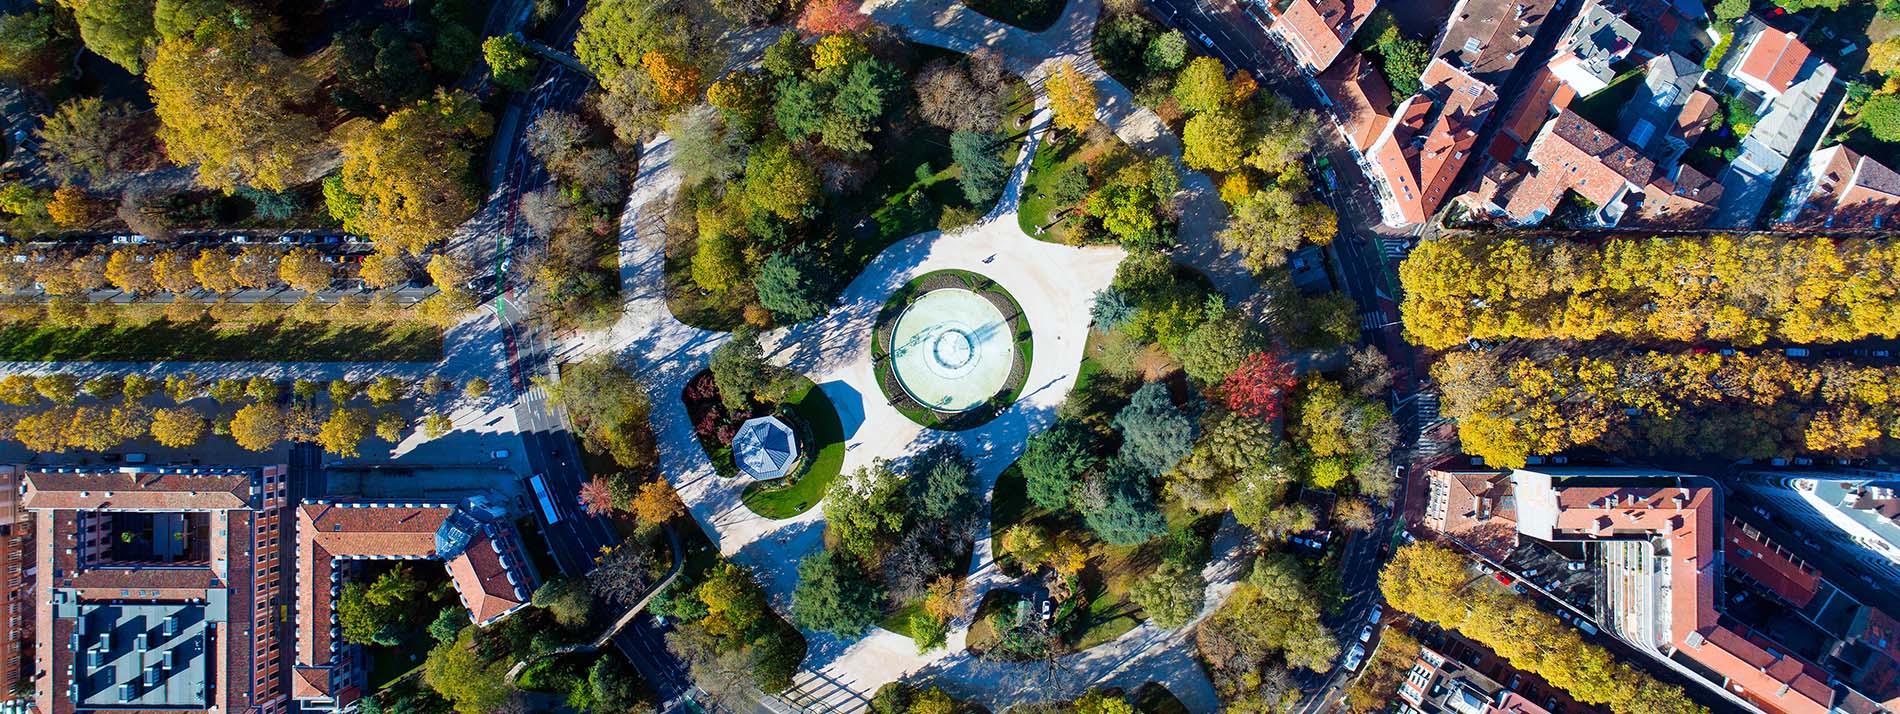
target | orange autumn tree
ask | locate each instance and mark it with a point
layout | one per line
(674, 81)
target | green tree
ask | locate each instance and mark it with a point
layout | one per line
(58, 387)
(1881, 116)
(740, 370)
(788, 284)
(1731, 10)
(1166, 52)
(385, 391)
(1214, 141)
(1118, 505)
(1202, 87)
(1402, 59)
(472, 684)
(91, 139)
(1156, 434)
(509, 62)
(835, 595)
(379, 612)
(984, 173)
(1218, 346)
(1053, 462)
(942, 484)
(609, 409)
(717, 266)
(567, 600)
(448, 623)
(118, 30)
(1172, 595)
(778, 182)
(866, 510)
(31, 49)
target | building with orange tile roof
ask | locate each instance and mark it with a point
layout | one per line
(1313, 32)
(17, 570)
(186, 558)
(1771, 62)
(1572, 155)
(1658, 540)
(1427, 141)
(471, 538)
(1841, 188)
(1361, 101)
(1474, 507)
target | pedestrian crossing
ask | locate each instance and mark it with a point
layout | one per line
(1394, 248)
(1373, 320)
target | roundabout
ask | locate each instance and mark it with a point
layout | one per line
(952, 349)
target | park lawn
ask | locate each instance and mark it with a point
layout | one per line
(827, 434)
(388, 664)
(1053, 159)
(279, 341)
(719, 312)
(1031, 15)
(898, 620)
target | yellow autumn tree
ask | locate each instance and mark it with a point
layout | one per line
(227, 101)
(408, 176)
(1072, 97)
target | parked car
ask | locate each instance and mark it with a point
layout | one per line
(1376, 612)
(1575, 565)
(1355, 657)
(1365, 634)
(498, 454)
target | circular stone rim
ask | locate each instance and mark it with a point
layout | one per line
(898, 374)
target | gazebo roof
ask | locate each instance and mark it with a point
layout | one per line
(765, 448)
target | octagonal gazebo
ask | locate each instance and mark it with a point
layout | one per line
(765, 448)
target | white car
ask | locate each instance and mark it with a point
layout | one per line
(1355, 657)
(1365, 634)
(1376, 612)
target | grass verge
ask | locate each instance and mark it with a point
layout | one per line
(280, 341)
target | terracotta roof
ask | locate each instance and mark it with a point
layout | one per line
(482, 579)
(1317, 30)
(144, 490)
(1684, 201)
(1424, 146)
(1849, 189)
(1574, 155)
(1694, 117)
(1360, 97)
(1770, 565)
(1480, 510)
(310, 683)
(1544, 95)
(1774, 59)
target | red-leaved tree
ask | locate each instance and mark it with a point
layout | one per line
(1260, 385)
(829, 17)
(597, 495)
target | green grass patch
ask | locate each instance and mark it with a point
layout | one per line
(898, 620)
(820, 417)
(206, 341)
(1602, 107)
(1055, 157)
(1031, 15)
(388, 664)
